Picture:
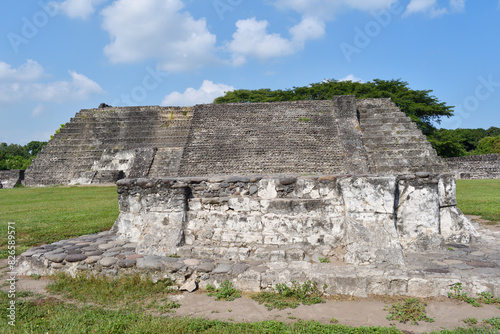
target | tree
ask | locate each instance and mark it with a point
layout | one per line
(423, 108)
(34, 147)
(488, 145)
(15, 156)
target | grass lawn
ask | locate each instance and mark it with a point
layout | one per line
(46, 215)
(480, 198)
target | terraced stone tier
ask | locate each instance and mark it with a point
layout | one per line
(355, 219)
(274, 138)
(104, 145)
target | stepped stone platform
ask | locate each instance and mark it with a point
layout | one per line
(341, 136)
(265, 193)
(107, 144)
(381, 235)
(424, 274)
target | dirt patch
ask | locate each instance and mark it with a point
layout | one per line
(488, 224)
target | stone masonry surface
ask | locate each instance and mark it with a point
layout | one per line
(475, 166)
(11, 178)
(355, 219)
(341, 136)
(106, 144)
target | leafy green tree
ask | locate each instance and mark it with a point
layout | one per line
(448, 149)
(34, 147)
(488, 145)
(467, 139)
(423, 108)
(15, 156)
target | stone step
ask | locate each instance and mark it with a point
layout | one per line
(375, 141)
(403, 162)
(387, 133)
(368, 112)
(411, 153)
(435, 168)
(401, 118)
(392, 127)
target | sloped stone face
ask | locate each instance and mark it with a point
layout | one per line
(359, 220)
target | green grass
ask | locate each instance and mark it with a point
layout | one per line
(125, 292)
(285, 296)
(411, 310)
(225, 291)
(49, 315)
(480, 198)
(46, 215)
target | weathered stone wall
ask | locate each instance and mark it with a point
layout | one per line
(11, 178)
(358, 220)
(475, 166)
(276, 138)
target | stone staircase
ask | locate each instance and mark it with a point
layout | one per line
(83, 150)
(393, 143)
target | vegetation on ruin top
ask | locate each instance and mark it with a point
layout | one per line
(422, 107)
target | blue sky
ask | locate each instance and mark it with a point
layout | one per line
(57, 57)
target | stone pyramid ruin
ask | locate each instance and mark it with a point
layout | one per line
(342, 136)
(259, 193)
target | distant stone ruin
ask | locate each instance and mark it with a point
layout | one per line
(475, 166)
(342, 136)
(11, 178)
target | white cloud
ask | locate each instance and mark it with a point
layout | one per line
(252, 40)
(352, 78)
(39, 109)
(205, 94)
(457, 5)
(24, 83)
(81, 9)
(308, 28)
(79, 88)
(431, 8)
(157, 29)
(326, 9)
(29, 71)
